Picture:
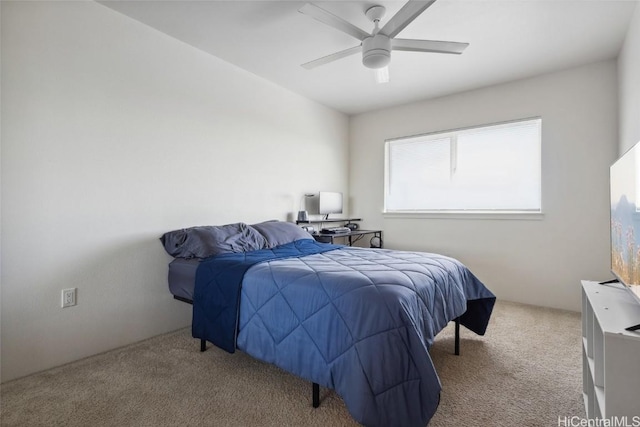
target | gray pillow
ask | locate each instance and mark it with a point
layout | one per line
(279, 232)
(205, 241)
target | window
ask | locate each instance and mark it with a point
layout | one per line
(494, 168)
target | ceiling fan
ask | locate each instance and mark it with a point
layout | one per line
(376, 47)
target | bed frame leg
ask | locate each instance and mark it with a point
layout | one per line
(203, 345)
(457, 344)
(316, 395)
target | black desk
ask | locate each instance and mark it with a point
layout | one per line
(352, 236)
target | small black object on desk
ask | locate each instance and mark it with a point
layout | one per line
(335, 230)
(358, 234)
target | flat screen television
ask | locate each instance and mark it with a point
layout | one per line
(625, 221)
(329, 202)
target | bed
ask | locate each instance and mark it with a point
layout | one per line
(359, 321)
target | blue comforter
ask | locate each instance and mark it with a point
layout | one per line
(359, 321)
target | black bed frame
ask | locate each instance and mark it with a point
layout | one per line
(315, 399)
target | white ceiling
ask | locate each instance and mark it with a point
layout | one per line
(509, 40)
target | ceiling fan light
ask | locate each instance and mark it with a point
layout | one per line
(382, 75)
(376, 58)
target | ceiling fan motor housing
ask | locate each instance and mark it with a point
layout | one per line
(376, 51)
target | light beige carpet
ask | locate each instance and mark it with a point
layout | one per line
(526, 371)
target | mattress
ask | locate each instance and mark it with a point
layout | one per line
(182, 277)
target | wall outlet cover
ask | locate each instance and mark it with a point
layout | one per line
(69, 297)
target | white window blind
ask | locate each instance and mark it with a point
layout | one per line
(495, 168)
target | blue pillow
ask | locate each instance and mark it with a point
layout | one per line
(205, 241)
(279, 232)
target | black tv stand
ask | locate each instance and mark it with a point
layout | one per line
(633, 328)
(606, 282)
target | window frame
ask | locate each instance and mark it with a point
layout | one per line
(462, 213)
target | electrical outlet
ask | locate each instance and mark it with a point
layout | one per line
(69, 297)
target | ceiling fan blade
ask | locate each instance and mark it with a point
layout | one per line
(330, 58)
(334, 21)
(405, 16)
(428, 46)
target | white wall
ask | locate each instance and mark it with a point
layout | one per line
(112, 134)
(532, 261)
(629, 89)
